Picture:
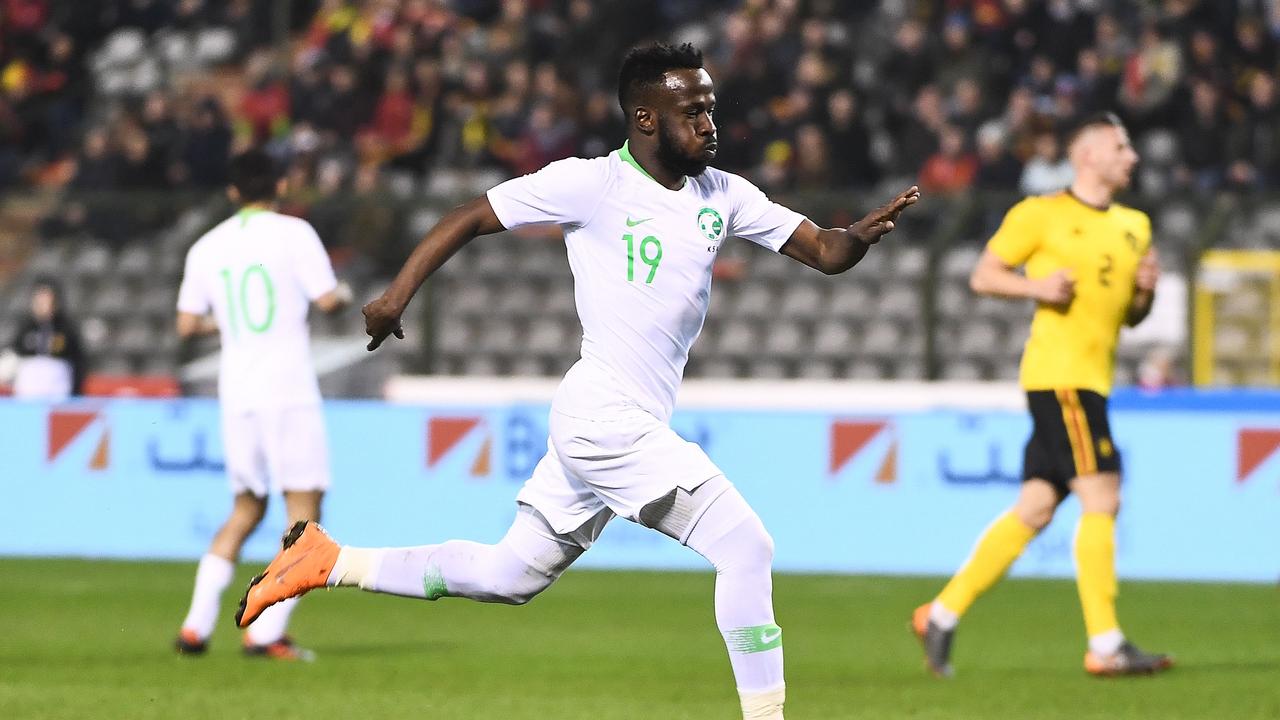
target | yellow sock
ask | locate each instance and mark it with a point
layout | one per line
(1095, 550)
(1000, 544)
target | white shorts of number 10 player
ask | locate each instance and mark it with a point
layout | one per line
(617, 464)
(276, 449)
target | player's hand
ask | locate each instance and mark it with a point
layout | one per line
(1148, 272)
(882, 220)
(1057, 289)
(381, 318)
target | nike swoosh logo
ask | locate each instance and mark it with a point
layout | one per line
(633, 223)
(768, 637)
(282, 571)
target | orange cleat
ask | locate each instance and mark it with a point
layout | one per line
(189, 643)
(282, 649)
(303, 564)
(1128, 660)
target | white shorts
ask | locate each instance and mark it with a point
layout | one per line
(622, 462)
(281, 449)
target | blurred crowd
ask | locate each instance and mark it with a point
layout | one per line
(812, 94)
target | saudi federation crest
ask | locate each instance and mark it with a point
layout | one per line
(710, 224)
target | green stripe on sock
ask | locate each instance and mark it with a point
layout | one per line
(758, 638)
(433, 584)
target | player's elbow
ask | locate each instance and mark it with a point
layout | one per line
(979, 283)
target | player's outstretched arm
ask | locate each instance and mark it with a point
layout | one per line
(832, 251)
(457, 228)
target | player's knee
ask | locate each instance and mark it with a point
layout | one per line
(753, 546)
(1104, 503)
(1035, 516)
(523, 591)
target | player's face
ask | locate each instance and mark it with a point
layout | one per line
(686, 132)
(1114, 156)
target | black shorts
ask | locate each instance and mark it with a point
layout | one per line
(1070, 437)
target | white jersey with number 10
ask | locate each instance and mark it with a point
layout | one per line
(258, 272)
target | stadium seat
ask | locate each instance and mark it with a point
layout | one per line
(864, 369)
(834, 339)
(850, 299)
(958, 263)
(499, 336)
(756, 301)
(883, 339)
(816, 369)
(547, 336)
(767, 369)
(910, 262)
(739, 339)
(134, 261)
(801, 301)
(215, 45)
(453, 336)
(785, 340)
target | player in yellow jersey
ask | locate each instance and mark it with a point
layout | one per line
(1090, 267)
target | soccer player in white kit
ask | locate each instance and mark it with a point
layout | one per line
(643, 226)
(259, 273)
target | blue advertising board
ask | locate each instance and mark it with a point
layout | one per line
(899, 492)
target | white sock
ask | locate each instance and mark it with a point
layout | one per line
(1106, 643)
(942, 617)
(271, 624)
(213, 574)
(356, 567)
(765, 705)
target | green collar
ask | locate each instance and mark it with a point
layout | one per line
(249, 211)
(624, 152)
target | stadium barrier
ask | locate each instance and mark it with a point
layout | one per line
(880, 478)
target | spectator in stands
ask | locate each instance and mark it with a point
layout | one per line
(918, 138)
(813, 169)
(51, 360)
(206, 146)
(1253, 146)
(1047, 171)
(952, 168)
(849, 142)
(1202, 133)
(998, 169)
(1151, 75)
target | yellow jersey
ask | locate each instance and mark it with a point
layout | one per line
(1075, 347)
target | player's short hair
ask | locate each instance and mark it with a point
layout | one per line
(1099, 119)
(254, 175)
(646, 66)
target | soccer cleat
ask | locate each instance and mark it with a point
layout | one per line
(1128, 660)
(303, 563)
(282, 649)
(936, 642)
(189, 643)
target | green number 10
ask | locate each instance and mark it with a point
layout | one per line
(650, 254)
(255, 326)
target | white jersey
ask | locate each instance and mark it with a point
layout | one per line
(641, 257)
(259, 271)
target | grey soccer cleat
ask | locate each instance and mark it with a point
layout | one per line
(1128, 660)
(935, 640)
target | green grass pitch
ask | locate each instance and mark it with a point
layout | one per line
(81, 639)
